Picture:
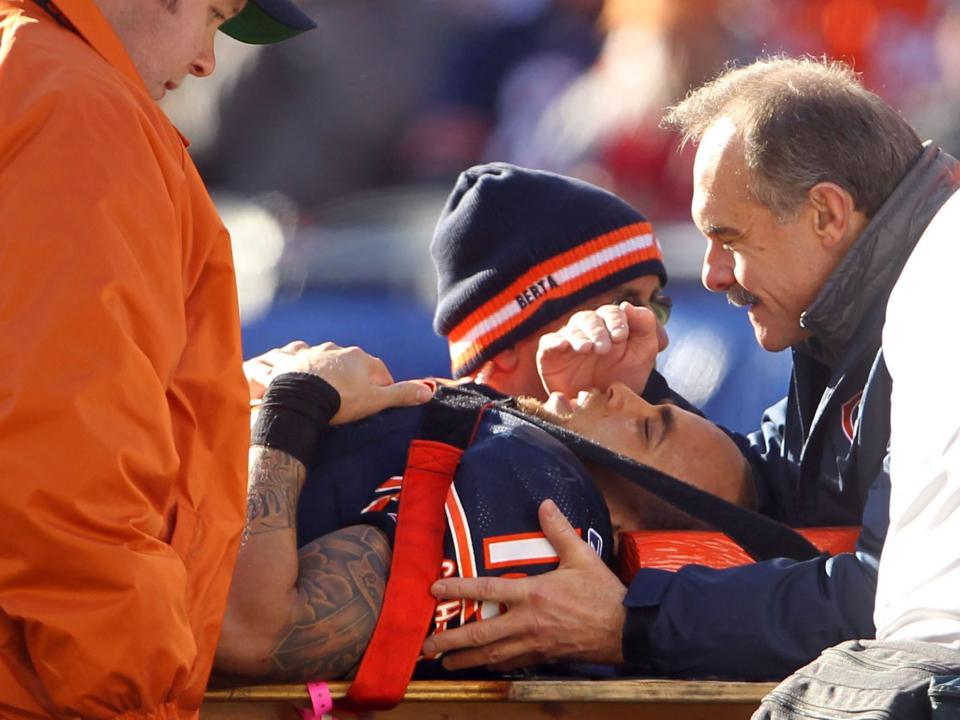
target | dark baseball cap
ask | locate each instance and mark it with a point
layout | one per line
(267, 21)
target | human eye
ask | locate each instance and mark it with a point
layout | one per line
(727, 242)
(661, 305)
(724, 236)
(642, 429)
(658, 303)
(629, 296)
(217, 15)
(730, 240)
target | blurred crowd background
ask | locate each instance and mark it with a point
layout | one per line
(330, 155)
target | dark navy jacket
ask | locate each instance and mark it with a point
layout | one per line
(820, 458)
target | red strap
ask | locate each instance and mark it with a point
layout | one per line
(408, 606)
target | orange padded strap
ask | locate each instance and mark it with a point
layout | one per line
(673, 549)
(408, 606)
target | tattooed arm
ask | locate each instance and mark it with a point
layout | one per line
(292, 614)
(308, 612)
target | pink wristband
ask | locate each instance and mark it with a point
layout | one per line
(321, 701)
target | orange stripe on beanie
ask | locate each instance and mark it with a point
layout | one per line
(515, 249)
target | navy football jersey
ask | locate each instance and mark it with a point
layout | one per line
(491, 508)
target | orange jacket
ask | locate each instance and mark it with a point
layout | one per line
(123, 408)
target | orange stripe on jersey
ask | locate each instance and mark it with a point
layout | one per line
(380, 503)
(462, 546)
(393, 483)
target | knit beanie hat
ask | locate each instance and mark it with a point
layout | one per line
(516, 249)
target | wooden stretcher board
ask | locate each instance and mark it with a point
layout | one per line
(513, 700)
(654, 699)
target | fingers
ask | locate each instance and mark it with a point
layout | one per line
(504, 643)
(569, 547)
(258, 377)
(407, 392)
(647, 337)
(587, 331)
(379, 374)
(476, 635)
(501, 656)
(663, 339)
(640, 320)
(615, 321)
(358, 402)
(517, 661)
(595, 330)
(365, 385)
(502, 590)
(259, 370)
(328, 361)
(553, 342)
(363, 381)
(578, 355)
(278, 355)
(575, 611)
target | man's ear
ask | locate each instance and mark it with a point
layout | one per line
(504, 362)
(499, 372)
(835, 217)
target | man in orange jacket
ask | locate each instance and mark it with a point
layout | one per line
(124, 420)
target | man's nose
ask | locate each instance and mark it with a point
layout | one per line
(717, 272)
(205, 62)
(622, 397)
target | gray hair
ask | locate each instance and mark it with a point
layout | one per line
(803, 121)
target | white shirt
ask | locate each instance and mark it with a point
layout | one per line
(918, 592)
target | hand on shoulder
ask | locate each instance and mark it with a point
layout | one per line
(363, 381)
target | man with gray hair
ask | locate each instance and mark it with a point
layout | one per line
(812, 194)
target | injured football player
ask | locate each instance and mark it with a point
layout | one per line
(312, 570)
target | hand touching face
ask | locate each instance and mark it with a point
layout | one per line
(599, 347)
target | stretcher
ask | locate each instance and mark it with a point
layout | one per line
(567, 698)
(383, 679)
(511, 700)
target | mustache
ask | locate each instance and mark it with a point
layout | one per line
(740, 297)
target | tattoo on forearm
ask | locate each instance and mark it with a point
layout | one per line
(274, 488)
(342, 581)
(341, 577)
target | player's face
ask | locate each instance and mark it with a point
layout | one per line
(665, 437)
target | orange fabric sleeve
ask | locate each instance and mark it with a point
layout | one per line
(105, 427)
